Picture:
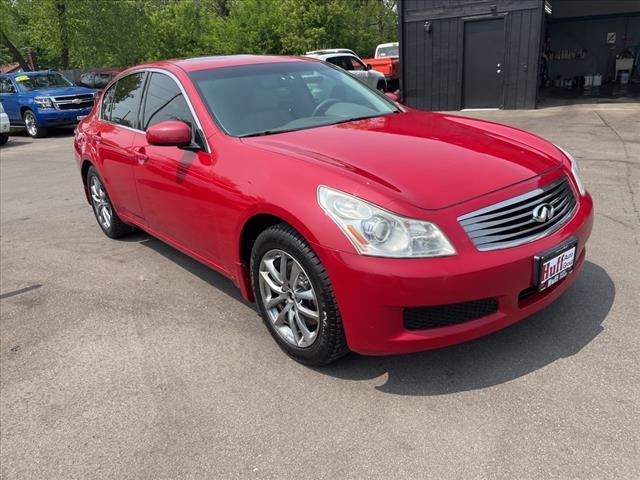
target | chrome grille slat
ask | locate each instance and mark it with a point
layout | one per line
(507, 241)
(474, 216)
(521, 213)
(511, 223)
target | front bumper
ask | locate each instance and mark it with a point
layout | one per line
(57, 118)
(373, 293)
(4, 123)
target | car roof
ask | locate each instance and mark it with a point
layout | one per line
(391, 44)
(220, 61)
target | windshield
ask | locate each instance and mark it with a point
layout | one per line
(384, 52)
(276, 97)
(33, 81)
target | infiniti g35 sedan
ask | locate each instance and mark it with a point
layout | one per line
(355, 223)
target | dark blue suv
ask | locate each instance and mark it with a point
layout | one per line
(44, 99)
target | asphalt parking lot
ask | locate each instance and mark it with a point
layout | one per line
(127, 359)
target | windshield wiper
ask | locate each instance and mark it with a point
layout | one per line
(266, 132)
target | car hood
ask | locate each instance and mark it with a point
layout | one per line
(433, 161)
(59, 91)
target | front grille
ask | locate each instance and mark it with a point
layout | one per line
(511, 223)
(445, 315)
(73, 102)
(74, 106)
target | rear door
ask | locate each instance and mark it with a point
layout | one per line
(174, 184)
(113, 135)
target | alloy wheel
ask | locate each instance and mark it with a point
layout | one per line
(101, 203)
(289, 298)
(30, 123)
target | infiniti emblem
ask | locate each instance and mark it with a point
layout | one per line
(543, 213)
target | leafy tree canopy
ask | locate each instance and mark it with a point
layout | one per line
(118, 33)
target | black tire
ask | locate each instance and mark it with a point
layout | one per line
(330, 343)
(116, 227)
(382, 86)
(4, 138)
(34, 129)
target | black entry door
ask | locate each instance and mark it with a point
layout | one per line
(483, 63)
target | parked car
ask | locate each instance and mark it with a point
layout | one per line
(5, 126)
(44, 99)
(97, 80)
(352, 63)
(386, 61)
(354, 223)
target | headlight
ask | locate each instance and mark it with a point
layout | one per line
(575, 170)
(379, 233)
(43, 102)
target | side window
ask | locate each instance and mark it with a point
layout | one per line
(164, 101)
(345, 63)
(107, 98)
(6, 86)
(356, 64)
(125, 101)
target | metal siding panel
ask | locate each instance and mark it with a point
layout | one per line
(535, 47)
(428, 75)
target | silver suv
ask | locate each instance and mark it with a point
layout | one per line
(352, 63)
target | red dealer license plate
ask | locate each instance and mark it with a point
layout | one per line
(555, 265)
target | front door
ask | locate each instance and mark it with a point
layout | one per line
(174, 184)
(483, 64)
(113, 137)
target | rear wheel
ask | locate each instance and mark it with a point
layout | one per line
(33, 127)
(295, 297)
(381, 87)
(106, 216)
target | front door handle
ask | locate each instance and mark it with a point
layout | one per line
(96, 137)
(140, 156)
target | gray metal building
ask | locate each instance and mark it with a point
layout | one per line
(458, 54)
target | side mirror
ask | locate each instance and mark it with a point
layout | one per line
(393, 97)
(171, 133)
(369, 67)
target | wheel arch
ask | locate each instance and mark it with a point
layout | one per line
(252, 227)
(84, 171)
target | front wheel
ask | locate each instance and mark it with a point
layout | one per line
(33, 127)
(382, 86)
(295, 297)
(4, 138)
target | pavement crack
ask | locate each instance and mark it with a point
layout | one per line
(20, 291)
(615, 132)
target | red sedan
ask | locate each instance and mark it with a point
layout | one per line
(355, 223)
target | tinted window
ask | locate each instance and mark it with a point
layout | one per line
(6, 86)
(270, 98)
(106, 103)
(164, 101)
(356, 64)
(125, 100)
(342, 62)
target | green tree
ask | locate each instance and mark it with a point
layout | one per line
(119, 33)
